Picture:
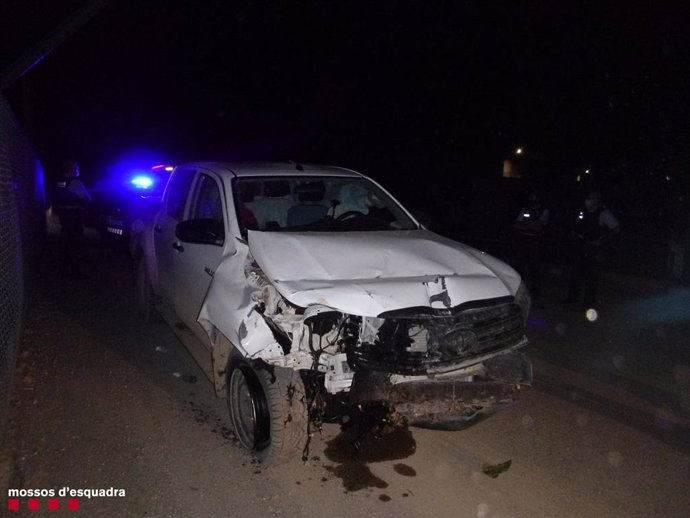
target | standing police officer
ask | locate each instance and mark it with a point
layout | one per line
(70, 202)
(595, 231)
(529, 227)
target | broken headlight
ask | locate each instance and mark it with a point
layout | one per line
(523, 300)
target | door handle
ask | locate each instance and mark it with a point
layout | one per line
(178, 247)
(209, 271)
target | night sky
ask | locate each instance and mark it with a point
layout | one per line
(400, 90)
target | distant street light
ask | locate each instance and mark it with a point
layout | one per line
(518, 151)
(586, 171)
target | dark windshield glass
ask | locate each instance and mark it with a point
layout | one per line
(326, 204)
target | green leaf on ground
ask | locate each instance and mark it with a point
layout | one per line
(494, 470)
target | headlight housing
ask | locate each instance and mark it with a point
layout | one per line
(523, 299)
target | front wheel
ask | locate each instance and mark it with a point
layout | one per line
(268, 410)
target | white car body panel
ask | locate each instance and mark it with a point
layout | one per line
(368, 273)
(229, 300)
(193, 275)
(406, 269)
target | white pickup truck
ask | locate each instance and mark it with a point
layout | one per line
(308, 292)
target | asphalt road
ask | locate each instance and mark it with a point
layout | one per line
(103, 400)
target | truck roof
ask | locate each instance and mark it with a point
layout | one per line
(248, 169)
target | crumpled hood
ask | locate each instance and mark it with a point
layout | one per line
(368, 273)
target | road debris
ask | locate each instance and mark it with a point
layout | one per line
(494, 470)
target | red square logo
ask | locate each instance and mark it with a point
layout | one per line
(73, 504)
(53, 504)
(13, 504)
(33, 504)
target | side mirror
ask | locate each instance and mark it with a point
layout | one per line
(204, 231)
(423, 217)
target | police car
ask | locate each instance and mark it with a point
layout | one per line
(133, 197)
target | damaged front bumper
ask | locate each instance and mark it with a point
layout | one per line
(447, 402)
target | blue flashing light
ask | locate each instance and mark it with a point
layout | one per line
(142, 181)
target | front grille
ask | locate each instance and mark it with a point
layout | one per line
(412, 345)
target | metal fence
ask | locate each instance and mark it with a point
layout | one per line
(22, 200)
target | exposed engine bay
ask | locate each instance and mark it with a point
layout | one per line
(414, 361)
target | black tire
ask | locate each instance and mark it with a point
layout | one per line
(268, 410)
(144, 292)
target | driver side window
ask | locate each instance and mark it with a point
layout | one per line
(208, 202)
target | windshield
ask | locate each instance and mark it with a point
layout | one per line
(326, 204)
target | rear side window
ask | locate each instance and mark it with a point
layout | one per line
(178, 189)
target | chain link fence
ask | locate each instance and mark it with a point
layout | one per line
(22, 225)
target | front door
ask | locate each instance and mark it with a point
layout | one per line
(196, 263)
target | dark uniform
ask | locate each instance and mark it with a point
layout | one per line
(593, 235)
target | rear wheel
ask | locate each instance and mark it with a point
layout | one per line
(268, 410)
(144, 292)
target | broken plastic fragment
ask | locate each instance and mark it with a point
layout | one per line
(494, 470)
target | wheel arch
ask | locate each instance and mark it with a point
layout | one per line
(141, 248)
